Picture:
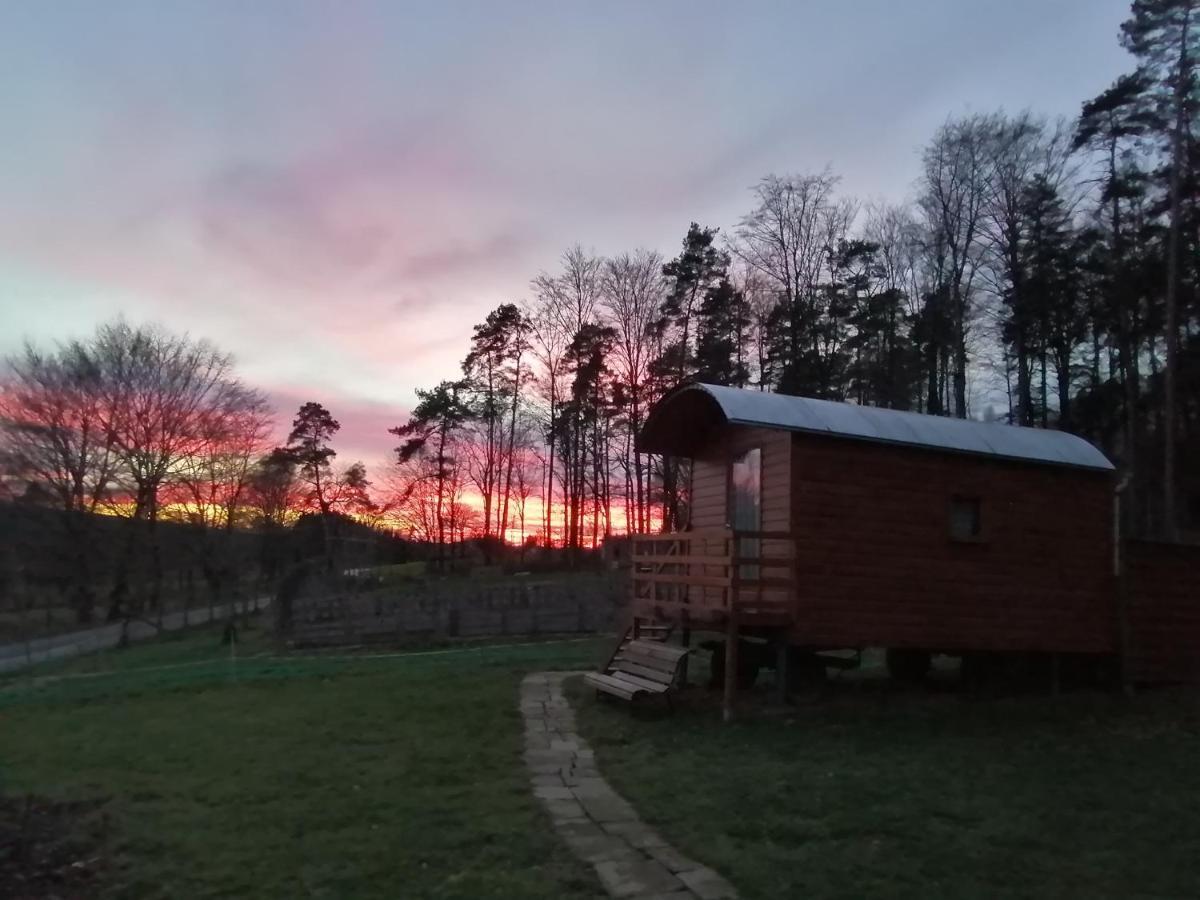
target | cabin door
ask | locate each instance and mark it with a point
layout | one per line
(745, 506)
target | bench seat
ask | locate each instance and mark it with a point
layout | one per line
(640, 667)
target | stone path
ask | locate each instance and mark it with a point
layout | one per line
(594, 820)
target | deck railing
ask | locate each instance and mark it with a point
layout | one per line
(709, 572)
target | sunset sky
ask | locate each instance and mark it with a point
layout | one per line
(337, 191)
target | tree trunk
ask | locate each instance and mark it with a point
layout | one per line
(1182, 84)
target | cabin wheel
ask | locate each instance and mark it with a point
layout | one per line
(906, 665)
(805, 669)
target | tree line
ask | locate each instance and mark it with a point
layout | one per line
(1043, 273)
(147, 426)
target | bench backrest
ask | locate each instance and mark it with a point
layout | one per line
(651, 660)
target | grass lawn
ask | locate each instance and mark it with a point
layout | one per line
(374, 777)
(862, 792)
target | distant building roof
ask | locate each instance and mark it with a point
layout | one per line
(677, 412)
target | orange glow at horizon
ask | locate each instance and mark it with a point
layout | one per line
(534, 524)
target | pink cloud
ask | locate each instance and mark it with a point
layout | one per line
(364, 433)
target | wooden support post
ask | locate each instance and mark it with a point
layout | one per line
(1121, 580)
(731, 627)
(731, 663)
(685, 640)
(782, 688)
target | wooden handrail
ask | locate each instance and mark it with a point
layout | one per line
(701, 534)
(722, 576)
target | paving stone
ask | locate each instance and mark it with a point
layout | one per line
(588, 828)
(602, 847)
(547, 757)
(573, 777)
(607, 809)
(564, 809)
(553, 792)
(707, 884)
(544, 780)
(670, 857)
(624, 878)
(636, 834)
(591, 784)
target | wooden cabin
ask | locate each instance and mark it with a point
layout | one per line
(828, 525)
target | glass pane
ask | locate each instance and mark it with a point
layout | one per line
(745, 504)
(964, 518)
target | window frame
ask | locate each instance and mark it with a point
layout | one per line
(748, 547)
(980, 535)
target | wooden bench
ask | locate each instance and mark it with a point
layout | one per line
(640, 667)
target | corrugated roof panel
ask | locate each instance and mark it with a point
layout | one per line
(897, 427)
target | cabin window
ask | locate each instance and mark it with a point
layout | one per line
(745, 504)
(966, 519)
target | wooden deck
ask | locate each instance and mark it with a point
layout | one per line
(704, 576)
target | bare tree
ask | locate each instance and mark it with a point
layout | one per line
(565, 303)
(633, 295)
(159, 391)
(274, 488)
(212, 486)
(954, 191)
(55, 438)
(131, 421)
(787, 239)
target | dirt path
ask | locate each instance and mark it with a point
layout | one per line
(598, 825)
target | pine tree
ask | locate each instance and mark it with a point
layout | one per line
(308, 445)
(723, 321)
(699, 269)
(1050, 312)
(431, 435)
(1165, 37)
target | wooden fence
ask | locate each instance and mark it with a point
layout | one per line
(456, 608)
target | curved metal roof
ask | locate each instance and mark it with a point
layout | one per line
(869, 423)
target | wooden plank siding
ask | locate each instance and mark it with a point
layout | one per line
(1164, 611)
(877, 565)
(710, 491)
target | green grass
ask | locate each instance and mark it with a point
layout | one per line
(181, 658)
(862, 792)
(360, 778)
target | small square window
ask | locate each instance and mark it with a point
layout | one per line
(966, 520)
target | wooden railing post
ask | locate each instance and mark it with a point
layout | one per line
(731, 662)
(731, 630)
